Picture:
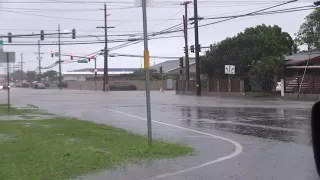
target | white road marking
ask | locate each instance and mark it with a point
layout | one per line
(237, 151)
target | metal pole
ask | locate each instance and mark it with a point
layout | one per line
(146, 66)
(39, 58)
(105, 72)
(59, 42)
(196, 33)
(185, 21)
(95, 74)
(229, 83)
(8, 81)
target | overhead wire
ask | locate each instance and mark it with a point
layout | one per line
(247, 14)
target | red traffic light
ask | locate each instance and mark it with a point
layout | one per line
(89, 57)
(71, 56)
(52, 53)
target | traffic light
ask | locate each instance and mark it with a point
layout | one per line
(192, 48)
(52, 53)
(184, 49)
(181, 62)
(42, 35)
(95, 71)
(73, 33)
(199, 46)
(89, 58)
(160, 69)
(71, 56)
(9, 37)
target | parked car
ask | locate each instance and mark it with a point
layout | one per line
(5, 87)
(39, 86)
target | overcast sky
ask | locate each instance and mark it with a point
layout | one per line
(26, 17)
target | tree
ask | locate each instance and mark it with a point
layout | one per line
(31, 76)
(262, 73)
(17, 75)
(246, 49)
(309, 32)
(51, 75)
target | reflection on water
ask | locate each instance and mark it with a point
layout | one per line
(288, 125)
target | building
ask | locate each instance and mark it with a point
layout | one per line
(172, 67)
(88, 74)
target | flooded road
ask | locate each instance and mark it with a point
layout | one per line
(234, 138)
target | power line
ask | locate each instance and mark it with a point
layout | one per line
(266, 13)
(247, 14)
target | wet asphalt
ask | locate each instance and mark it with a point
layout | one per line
(234, 138)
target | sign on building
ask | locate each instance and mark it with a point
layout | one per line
(230, 69)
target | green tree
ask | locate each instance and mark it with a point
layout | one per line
(17, 75)
(263, 72)
(246, 49)
(309, 32)
(31, 76)
(51, 75)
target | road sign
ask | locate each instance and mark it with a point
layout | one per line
(230, 69)
(1, 45)
(3, 57)
(82, 61)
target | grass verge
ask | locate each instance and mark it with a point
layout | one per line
(22, 111)
(64, 148)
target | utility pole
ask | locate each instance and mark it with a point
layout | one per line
(8, 82)
(39, 59)
(95, 74)
(197, 46)
(186, 47)
(106, 52)
(59, 44)
(21, 62)
(147, 69)
(105, 68)
(105, 75)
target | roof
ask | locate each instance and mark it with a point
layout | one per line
(299, 58)
(109, 69)
(99, 73)
(170, 65)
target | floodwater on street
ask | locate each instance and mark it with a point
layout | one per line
(234, 138)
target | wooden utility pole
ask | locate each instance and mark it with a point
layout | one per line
(21, 62)
(105, 70)
(186, 47)
(197, 47)
(106, 52)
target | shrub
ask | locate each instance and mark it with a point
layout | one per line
(123, 88)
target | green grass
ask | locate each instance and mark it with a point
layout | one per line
(63, 148)
(14, 111)
(21, 112)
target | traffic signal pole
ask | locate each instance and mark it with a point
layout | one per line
(147, 69)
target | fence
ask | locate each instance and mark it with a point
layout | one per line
(213, 85)
(308, 85)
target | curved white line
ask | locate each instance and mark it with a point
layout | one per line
(235, 153)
